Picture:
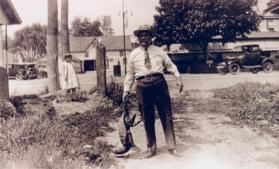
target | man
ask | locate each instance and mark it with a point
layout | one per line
(146, 65)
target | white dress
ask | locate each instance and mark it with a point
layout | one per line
(69, 73)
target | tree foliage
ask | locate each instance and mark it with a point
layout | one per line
(30, 42)
(106, 25)
(85, 27)
(198, 21)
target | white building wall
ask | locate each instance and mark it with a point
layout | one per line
(114, 57)
(80, 55)
(92, 52)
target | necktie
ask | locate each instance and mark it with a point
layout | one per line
(147, 62)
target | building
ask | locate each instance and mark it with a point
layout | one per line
(84, 50)
(8, 16)
(268, 35)
(115, 50)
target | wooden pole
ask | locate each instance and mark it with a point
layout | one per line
(4, 82)
(101, 69)
(124, 39)
(52, 46)
(65, 47)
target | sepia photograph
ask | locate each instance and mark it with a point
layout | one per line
(130, 84)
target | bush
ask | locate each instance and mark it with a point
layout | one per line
(114, 92)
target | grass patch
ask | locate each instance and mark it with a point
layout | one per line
(38, 137)
(251, 102)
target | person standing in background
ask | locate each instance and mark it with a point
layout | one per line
(70, 81)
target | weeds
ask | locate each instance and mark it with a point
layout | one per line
(44, 139)
(114, 92)
(252, 101)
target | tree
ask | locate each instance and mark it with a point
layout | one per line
(106, 26)
(30, 42)
(52, 46)
(198, 21)
(85, 28)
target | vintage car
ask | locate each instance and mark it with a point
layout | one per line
(251, 58)
(25, 71)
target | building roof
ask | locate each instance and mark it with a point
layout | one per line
(255, 36)
(80, 44)
(11, 13)
(273, 7)
(113, 43)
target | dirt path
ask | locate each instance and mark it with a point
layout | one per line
(205, 140)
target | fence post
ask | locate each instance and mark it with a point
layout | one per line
(101, 69)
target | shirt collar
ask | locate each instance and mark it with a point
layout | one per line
(142, 48)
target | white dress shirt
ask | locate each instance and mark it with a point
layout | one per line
(159, 61)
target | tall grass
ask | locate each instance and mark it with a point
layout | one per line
(41, 138)
(252, 101)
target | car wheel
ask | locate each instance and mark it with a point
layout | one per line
(255, 70)
(18, 76)
(267, 67)
(234, 68)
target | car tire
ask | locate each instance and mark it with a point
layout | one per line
(18, 76)
(234, 68)
(267, 67)
(255, 70)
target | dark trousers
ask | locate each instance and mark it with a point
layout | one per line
(151, 93)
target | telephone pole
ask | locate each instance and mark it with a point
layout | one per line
(124, 39)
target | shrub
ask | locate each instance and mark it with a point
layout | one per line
(114, 92)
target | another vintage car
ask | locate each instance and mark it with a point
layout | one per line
(25, 71)
(252, 58)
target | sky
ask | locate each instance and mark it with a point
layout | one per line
(139, 12)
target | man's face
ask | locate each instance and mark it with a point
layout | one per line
(145, 39)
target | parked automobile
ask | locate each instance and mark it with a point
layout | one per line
(25, 71)
(42, 71)
(252, 58)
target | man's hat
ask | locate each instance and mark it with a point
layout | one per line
(144, 28)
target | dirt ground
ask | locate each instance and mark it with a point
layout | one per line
(204, 140)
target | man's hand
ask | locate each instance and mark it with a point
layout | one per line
(125, 95)
(180, 84)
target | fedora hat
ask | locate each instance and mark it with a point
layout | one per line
(144, 28)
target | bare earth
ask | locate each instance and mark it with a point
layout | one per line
(205, 141)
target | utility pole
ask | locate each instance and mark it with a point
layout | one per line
(124, 38)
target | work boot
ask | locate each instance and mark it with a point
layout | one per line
(150, 153)
(174, 152)
(121, 150)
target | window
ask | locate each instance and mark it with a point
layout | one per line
(121, 53)
(271, 25)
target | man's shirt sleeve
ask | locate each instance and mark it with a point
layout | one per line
(129, 78)
(169, 65)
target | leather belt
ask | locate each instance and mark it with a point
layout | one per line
(148, 76)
